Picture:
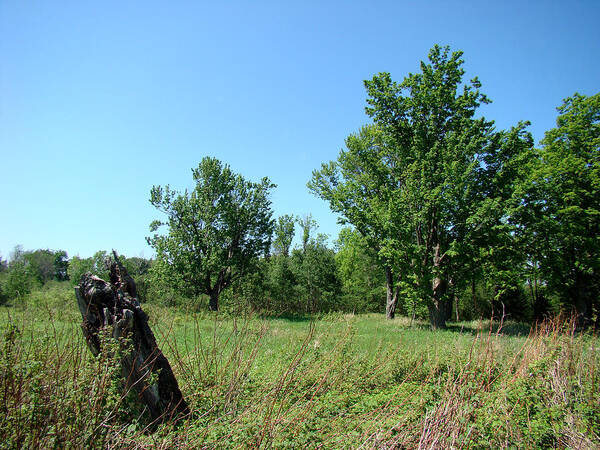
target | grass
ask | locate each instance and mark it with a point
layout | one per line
(343, 381)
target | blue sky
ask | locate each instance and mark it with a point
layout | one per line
(101, 100)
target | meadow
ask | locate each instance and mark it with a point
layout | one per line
(332, 381)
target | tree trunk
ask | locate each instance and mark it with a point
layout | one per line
(582, 299)
(456, 300)
(474, 297)
(392, 294)
(438, 306)
(113, 307)
(213, 303)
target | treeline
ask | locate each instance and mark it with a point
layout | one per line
(310, 277)
(30, 270)
(458, 218)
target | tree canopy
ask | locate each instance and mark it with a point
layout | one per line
(411, 182)
(215, 231)
(560, 208)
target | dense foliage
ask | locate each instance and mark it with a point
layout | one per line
(216, 232)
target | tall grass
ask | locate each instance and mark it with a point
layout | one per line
(343, 381)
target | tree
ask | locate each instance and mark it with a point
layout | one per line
(560, 210)
(314, 270)
(362, 281)
(96, 265)
(411, 182)
(61, 265)
(215, 232)
(284, 235)
(308, 225)
(359, 186)
(47, 264)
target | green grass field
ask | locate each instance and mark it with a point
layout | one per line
(342, 381)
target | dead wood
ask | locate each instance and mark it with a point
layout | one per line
(113, 308)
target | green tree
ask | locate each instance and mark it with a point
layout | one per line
(215, 232)
(47, 264)
(314, 268)
(135, 265)
(19, 280)
(362, 281)
(438, 141)
(360, 187)
(485, 245)
(560, 211)
(308, 226)
(282, 292)
(61, 265)
(411, 184)
(284, 235)
(95, 265)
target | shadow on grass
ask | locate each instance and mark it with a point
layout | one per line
(506, 329)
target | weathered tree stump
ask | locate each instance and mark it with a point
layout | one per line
(112, 307)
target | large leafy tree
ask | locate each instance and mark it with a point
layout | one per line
(415, 192)
(48, 264)
(560, 211)
(215, 231)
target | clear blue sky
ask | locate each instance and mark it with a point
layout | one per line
(101, 100)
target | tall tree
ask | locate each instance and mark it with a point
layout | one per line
(215, 232)
(415, 190)
(430, 116)
(560, 211)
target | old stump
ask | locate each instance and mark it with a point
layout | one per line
(113, 308)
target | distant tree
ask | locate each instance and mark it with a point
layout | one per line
(315, 272)
(47, 264)
(282, 291)
(560, 211)
(19, 280)
(363, 284)
(308, 226)
(17, 254)
(215, 233)
(41, 264)
(96, 265)
(135, 265)
(284, 235)
(61, 265)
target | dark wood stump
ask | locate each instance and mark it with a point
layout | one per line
(112, 307)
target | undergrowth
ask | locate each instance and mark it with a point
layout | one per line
(344, 381)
